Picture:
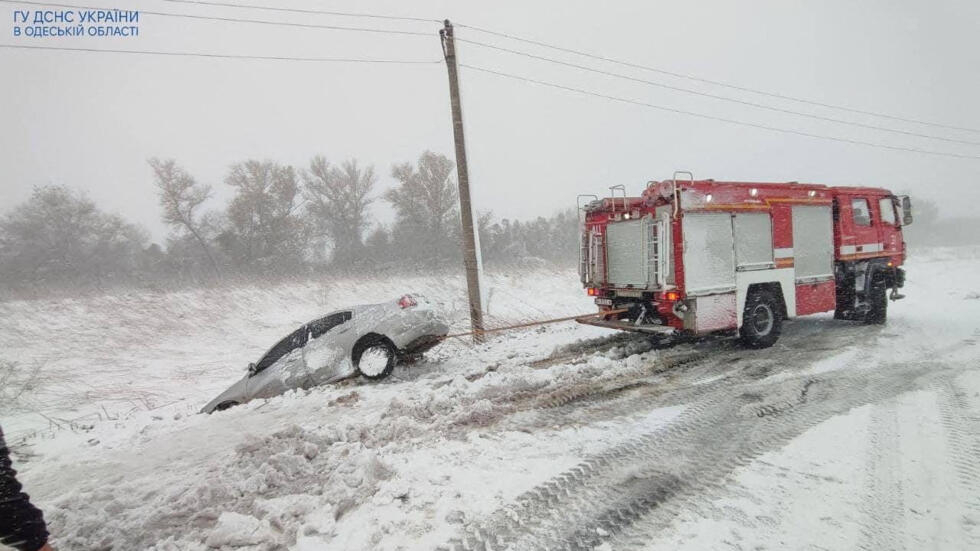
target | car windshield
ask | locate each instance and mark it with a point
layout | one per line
(295, 340)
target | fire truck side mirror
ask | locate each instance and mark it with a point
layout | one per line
(906, 210)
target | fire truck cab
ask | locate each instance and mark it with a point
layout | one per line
(697, 257)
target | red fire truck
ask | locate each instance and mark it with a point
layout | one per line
(699, 256)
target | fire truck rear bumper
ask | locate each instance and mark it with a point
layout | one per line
(628, 326)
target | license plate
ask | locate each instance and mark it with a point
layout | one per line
(604, 301)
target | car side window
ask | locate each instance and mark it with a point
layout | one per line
(296, 339)
(887, 209)
(322, 325)
(861, 212)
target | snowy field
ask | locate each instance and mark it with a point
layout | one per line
(842, 436)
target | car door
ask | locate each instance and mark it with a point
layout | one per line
(281, 368)
(327, 356)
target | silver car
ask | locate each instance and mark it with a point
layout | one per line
(367, 340)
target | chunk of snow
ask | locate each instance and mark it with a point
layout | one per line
(238, 530)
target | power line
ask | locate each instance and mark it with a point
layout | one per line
(716, 82)
(715, 96)
(577, 90)
(310, 12)
(537, 43)
(236, 20)
(223, 56)
(714, 118)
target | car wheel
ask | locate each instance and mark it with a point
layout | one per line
(762, 320)
(374, 357)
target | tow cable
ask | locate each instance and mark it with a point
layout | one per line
(602, 314)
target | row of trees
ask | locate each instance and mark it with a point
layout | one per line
(280, 221)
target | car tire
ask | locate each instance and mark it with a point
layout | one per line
(762, 320)
(877, 314)
(374, 357)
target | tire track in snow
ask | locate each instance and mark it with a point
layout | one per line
(884, 382)
(631, 343)
(721, 450)
(539, 504)
(794, 424)
(608, 493)
(962, 427)
(609, 476)
(676, 376)
(883, 505)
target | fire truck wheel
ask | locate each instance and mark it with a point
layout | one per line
(762, 320)
(878, 302)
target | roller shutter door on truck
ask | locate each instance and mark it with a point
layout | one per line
(709, 253)
(813, 242)
(626, 253)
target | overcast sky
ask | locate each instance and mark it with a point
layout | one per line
(91, 120)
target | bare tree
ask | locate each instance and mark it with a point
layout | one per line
(181, 197)
(377, 246)
(338, 200)
(59, 236)
(265, 230)
(553, 239)
(426, 206)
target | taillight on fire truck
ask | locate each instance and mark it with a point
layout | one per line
(672, 296)
(593, 292)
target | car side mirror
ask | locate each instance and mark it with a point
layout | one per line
(251, 369)
(906, 210)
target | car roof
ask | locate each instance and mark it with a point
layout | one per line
(354, 310)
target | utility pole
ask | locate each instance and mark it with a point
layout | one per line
(462, 173)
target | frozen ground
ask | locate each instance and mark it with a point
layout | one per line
(566, 437)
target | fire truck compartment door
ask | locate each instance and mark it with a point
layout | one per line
(753, 241)
(709, 253)
(625, 253)
(711, 313)
(813, 242)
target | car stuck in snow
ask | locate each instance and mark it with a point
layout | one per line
(366, 340)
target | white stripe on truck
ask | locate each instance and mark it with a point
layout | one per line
(864, 248)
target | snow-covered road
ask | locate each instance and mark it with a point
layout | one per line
(841, 436)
